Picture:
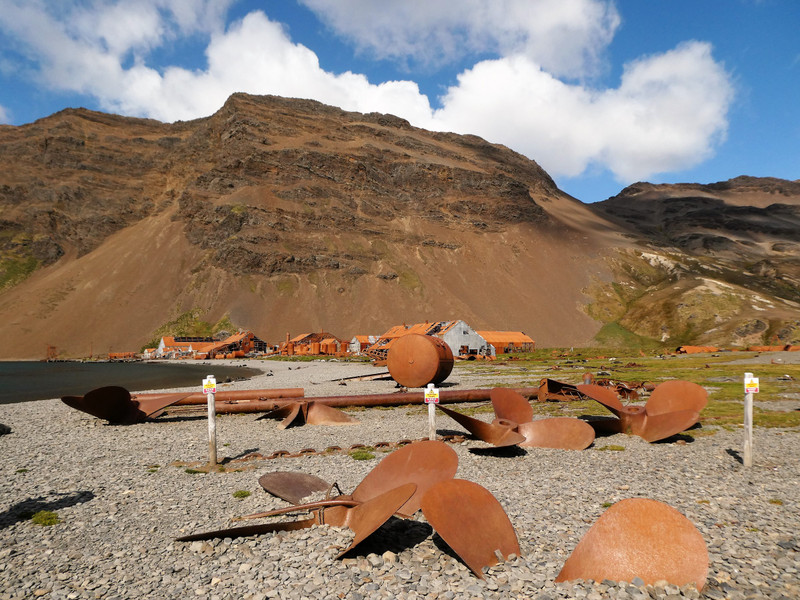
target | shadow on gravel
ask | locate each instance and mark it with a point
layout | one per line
(22, 511)
(505, 452)
(395, 535)
(736, 456)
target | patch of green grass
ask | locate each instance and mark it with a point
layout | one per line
(152, 468)
(362, 454)
(612, 448)
(191, 471)
(704, 501)
(22, 470)
(241, 494)
(15, 270)
(45, 517)
(607, 504)
(776, 501)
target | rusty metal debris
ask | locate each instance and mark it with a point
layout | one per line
(514, 425)
(672, 407)
(643, 538)
(117, 405)
(313, 413)
(557, 391)
(419, 475)
(416, 360)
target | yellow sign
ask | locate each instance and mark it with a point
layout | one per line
(750, 384)
(210, 385)
(431, 395)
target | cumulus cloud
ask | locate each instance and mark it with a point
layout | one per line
(668, 111)
(565, 37)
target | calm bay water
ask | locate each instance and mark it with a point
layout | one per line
(24, 381)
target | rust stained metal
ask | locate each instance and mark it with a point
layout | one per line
(644, 538)
(313, 413)
(416, 360)
(472, 522)
(673, 406)
(420, 475)
(514, 425)
(117, 405)
(558, 391)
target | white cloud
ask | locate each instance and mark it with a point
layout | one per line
(667, 113)
(566, 37)
(4, 115)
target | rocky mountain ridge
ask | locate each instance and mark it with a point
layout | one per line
(288, 215)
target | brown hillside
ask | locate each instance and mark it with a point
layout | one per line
(284, 215)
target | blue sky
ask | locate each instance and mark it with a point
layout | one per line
(600, 93)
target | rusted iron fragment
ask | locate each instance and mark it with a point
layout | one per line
(471, 521)
(416, 360)
(565, 433)
(644, 538)
(245, 530)
(291, 485)
(498, 434)
(557, 391)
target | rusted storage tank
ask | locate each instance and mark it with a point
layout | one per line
(315, 348)
(416, 360)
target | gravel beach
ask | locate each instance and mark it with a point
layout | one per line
(124, 493)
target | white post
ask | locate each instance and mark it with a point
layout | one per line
(431, 399)
(750, 388)
(210, 388)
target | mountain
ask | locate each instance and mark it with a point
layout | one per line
(282, 215)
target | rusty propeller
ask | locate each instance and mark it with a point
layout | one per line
(514, 425)
(644, 538)
(313, 413)
(673, 406)
(422, 463)
(291, 485)
(116, 405)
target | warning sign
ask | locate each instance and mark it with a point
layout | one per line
(431, 394)
(210, 385)
(750, 384)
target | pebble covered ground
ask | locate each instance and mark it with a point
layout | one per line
(123, 494)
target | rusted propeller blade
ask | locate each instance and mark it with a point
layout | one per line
(551, 389)
(423, 463)
(566, 433)
(472, 522)
(676, 395)
(291, 485)
(368, 516)
(116, 405)
(234, 532)
(659, 427)
(675, 409)
(319, 414)
(313, 413)
(497, 434)
(288, 412)
(511, 405)
(603, 395)
(641, 538)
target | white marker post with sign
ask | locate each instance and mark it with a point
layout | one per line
(750, 388)
(431, 399)
(210, 390)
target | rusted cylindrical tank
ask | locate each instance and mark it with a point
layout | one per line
(416, 360)
(315, 348)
